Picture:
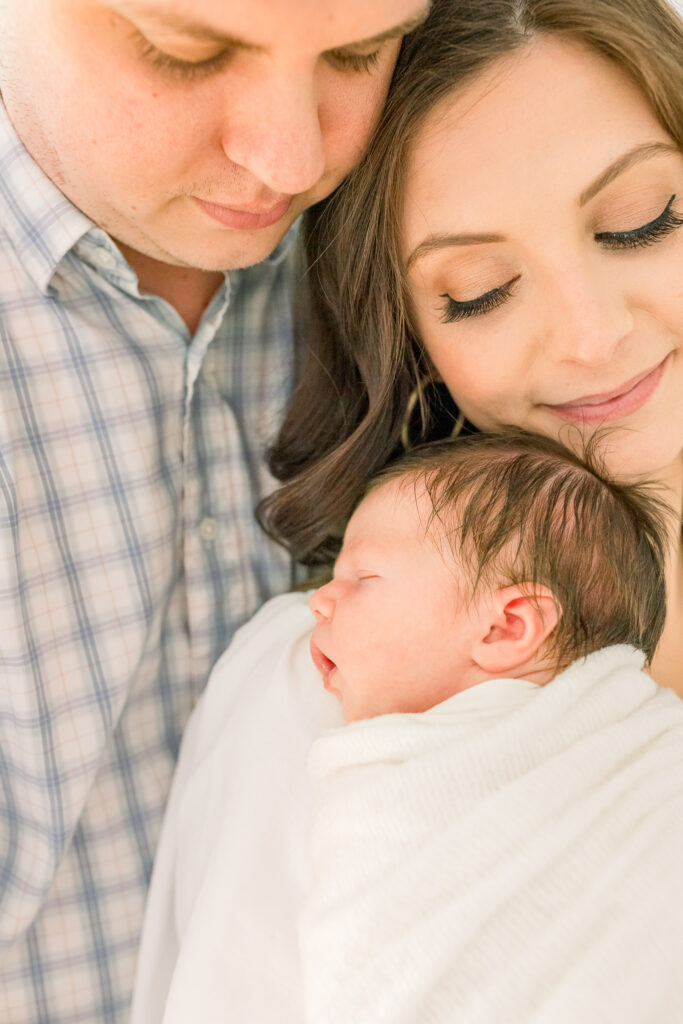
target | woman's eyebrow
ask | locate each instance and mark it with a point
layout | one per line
(432, 242)
(644, 152)
(634, 156)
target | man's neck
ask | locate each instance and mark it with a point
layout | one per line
(189, 291)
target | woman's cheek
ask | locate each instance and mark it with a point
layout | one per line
(480, 391)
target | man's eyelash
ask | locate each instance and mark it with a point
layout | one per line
(486, 303)
(182, 69)
(649, 233)
(188, 69)
(354, 61)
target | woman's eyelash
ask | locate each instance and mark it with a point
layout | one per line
(486, 303)
(649, 233)
(668, 220)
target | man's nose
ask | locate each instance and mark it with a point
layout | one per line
(276, 133)
(322, 602)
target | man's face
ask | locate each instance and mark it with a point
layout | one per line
(196, 131)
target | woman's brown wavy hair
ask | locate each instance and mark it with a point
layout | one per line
(358, 357)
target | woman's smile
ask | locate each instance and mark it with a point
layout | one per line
(577, 245)
(623, 401)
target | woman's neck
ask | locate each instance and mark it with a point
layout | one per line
(667, 665)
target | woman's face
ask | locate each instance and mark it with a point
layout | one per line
(544, 247)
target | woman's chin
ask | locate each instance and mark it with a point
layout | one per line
(651, 452)
(630, 456)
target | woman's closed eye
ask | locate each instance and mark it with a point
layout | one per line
(486, 303)
(647, 234)
(668, 221)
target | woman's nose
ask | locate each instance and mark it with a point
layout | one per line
(322, 602)
(591, 319)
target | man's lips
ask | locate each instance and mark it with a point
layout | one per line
(323, 664)
(609, 405)
(245, 218)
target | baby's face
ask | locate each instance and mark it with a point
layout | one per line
(392, 633)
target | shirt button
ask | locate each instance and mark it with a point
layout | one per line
(208, 529)
(105, 259)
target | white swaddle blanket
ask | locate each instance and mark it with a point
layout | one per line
(514, 856)
(219, 942)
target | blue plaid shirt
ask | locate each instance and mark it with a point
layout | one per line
(131, 458)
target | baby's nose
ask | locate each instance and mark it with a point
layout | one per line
(321, 602)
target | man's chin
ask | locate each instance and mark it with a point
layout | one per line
(210, 251)
(240, 250)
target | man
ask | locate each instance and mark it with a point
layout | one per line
(150, 150)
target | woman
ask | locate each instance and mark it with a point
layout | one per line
(515, 232)
(551, 131)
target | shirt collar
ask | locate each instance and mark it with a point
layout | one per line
(41, 223)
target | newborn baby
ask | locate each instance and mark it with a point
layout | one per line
(510, 855)
(494, 836)
(499, 556)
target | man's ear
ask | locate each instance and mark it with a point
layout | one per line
(516, 621)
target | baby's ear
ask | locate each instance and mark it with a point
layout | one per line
(516, 621)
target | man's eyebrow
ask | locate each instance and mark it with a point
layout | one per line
(634, 156)
(432, 242)
(178, 22)
(396, 32)
(199, 30)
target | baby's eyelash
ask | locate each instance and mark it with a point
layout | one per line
(648, 234)
(486, 303)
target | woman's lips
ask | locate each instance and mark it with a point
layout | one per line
(245, 220)
(323, 664)
(613, 405)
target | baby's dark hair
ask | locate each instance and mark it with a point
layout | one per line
(520, 508)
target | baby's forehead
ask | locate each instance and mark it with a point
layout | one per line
(392, 515)
(392, 506)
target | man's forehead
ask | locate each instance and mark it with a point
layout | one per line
(339, 22)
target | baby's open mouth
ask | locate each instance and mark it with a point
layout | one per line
(324, 665)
